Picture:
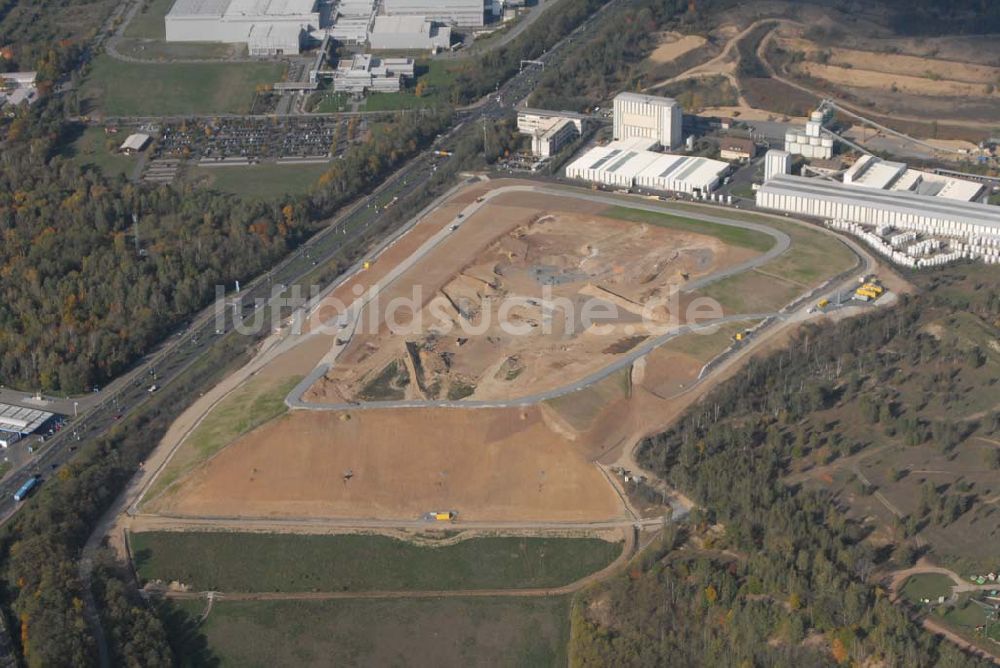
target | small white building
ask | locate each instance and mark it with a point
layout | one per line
(364, 73)
(549, 131)
(134, 143)
(18, 87)
(777, 162)
(648, 117)
(408, 33)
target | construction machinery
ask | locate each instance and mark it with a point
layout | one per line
(869, 291)
(823, 303)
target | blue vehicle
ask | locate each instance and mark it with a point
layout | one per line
(22, 494)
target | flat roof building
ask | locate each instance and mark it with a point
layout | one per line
(134, 143)
(548, 134)
(267, 27)
(408, 33)
(898, 209)
(630, 163)
(462, 13)
(648, 117)
(366, 73)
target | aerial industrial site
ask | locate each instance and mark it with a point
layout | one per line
(499, 333)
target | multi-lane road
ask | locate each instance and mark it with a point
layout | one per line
(171, 358)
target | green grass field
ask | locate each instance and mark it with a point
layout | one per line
(96, 149)
(523, 632)
(260, 182)
(126, 89)
(332, 102)
(926, 585)
(734, 236)
(248, 562)
(255, 402)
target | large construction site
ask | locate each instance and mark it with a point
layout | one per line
(467, 422)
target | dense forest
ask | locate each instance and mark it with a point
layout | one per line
(79, 301)
(784, 575)
(606, 64)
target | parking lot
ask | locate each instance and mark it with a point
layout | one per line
(257, 138)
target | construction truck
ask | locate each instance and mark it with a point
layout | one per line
(823, 303)
(443, 515)
(367, 264)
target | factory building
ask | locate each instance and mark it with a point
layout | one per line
(16, 422)
(737, 148)
(895, 209)
(461, 13)
(810, 142)
(408, 33)
(366, 73)
(267, 27)
(630, 163)
(873, 172)
(648, 117)
(352, 19)
(550, 131)
(777, 162)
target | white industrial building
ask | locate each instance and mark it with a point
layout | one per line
(549, 131)
(408, 33)
(873, 172)
(352, 20)
(648, 117)
(366, 73)
(777, 162)
(630, 163)
(811, 142)
(462, 13)
(267, 27)
(884, 209)
(17, 422)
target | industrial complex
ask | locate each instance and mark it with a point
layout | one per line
(285, 27)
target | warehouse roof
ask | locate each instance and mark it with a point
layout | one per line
(256, 8)
(902, 201)
(402, 24)
(695, 170)
(22, 420)
(200, 8)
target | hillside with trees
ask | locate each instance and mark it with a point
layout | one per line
(781, 573)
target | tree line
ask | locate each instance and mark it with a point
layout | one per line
(778, 564)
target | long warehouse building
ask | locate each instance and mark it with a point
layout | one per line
(899, 209)
(630, 163)
(462, 13)
(267, 27)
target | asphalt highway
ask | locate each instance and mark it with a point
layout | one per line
(172, 357)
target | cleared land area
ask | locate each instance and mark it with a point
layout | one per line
(674, 45)
(95, 148)
(254, 403)
(205, 561)
(503, 464)
(928, 585)
(265, 181)
(117, 88)
(463, 339)
(425, 632)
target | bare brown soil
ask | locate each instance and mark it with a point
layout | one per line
(523, 250)
(674, 45)
(485, 464)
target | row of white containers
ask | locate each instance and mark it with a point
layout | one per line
(905, 258)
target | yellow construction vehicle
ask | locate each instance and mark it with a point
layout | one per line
(367, 264)
(823, 303)
(444, 516)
